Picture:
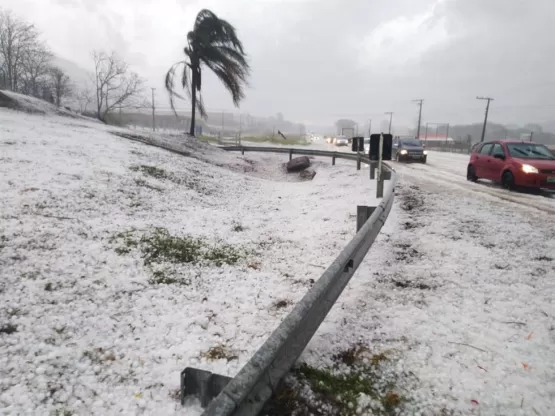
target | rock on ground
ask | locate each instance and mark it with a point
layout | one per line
(298, 163)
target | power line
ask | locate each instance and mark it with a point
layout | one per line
(489, 99)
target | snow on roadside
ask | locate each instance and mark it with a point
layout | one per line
(459, 292)
(34, 105)
(85, 327)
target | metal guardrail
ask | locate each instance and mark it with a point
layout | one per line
(230, 140)
(298, 151)
(255, 383)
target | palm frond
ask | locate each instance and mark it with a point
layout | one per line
(200, 106)
(232, 70)
(213, 30)
(170, 82)
(213, 42)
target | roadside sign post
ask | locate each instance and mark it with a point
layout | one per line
(379, 188)
(380, 150)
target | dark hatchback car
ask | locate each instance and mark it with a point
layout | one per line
(513, 163)
(408, 149)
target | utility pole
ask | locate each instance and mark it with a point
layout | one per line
(153, 111)
(531, 134)
(223, 123)
(419, 101)
(369, 127)
(390, 119)
(486, 117)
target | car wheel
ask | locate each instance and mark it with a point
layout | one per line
(508, 180)
(471, 174)
(424, 160)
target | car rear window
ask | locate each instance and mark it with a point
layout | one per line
(486, 148)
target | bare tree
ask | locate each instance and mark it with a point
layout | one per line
(61, 85)
(116, 86)
(35, 65)
(17, 37)
(85, 97)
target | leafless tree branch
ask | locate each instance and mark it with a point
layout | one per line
(17, 40)
(116, 86)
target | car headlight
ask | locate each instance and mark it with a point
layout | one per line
(425, 152)
(403, 152)
(529, 169)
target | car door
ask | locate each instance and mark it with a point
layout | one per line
(481, 160)
(495, 163)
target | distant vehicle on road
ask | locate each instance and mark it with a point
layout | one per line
(341, 141)
(409, 149)
(330, 139)
(513, 163)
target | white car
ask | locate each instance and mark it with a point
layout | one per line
(341, 141)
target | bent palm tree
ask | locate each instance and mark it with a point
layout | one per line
(213, 42)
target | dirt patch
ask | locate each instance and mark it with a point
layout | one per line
(411, 284)
(281, 304)
(410, 200)
(220, 352)
(411, 225)
(407, 254)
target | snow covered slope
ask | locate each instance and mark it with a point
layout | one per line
(121, 264)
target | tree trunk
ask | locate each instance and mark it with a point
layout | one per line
(193, 100)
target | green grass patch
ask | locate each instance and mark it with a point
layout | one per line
(161, 250)
(338, 390)
(153, 171)
(192, 180)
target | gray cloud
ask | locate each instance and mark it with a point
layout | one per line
(323, 59)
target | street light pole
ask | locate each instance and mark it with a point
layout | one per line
(369, 127)
(390, 119)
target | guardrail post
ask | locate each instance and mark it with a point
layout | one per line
(290, 154)
(363, 213)
(242, 150)
(379, 188)
(333, 160)
(358, 162)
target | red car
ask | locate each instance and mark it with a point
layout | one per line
(513, 163)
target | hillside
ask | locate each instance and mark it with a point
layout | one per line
(121, 263)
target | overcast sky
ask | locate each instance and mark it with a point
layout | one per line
(318, 60)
